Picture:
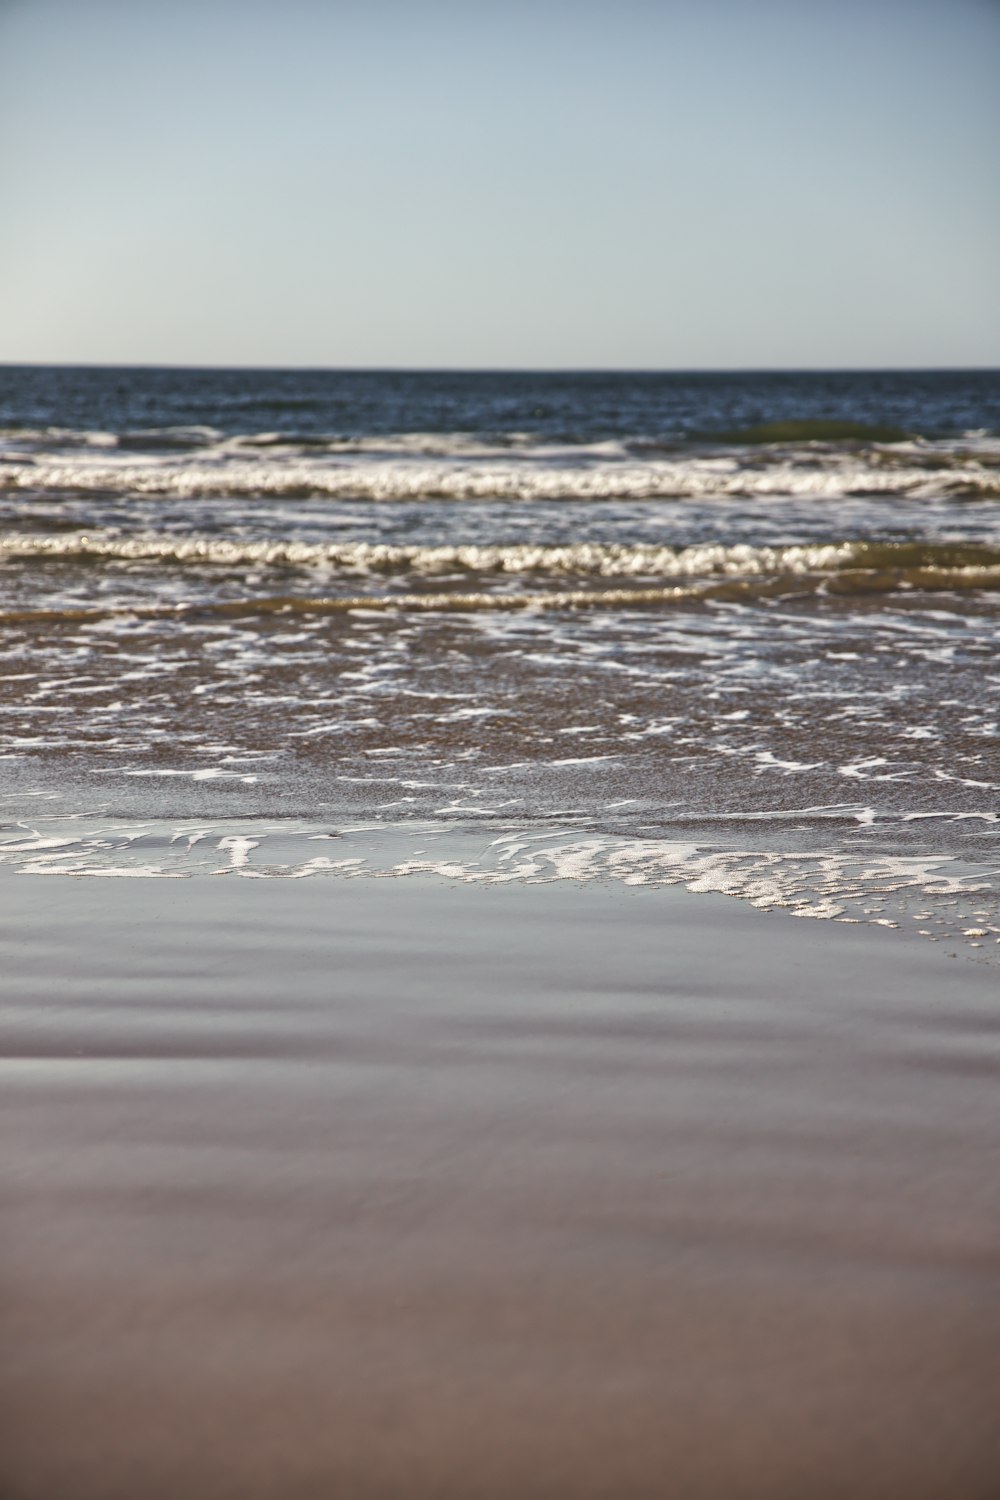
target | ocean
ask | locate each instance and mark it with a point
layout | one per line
(734, 631)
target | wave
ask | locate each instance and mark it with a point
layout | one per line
(144, 439)
(849, 582)
(585, 559)
(812, 431)
(604, 473)
(794, 432)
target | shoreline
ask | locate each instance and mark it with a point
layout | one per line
(946, 897)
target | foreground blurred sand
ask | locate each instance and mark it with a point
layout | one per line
(392, 1188)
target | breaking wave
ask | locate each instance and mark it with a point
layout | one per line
(911, 560)
(770, 461)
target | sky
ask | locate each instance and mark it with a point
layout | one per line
(532, 183)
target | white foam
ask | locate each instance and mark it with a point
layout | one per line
(957, 899)
(467, 471)
(604, 560)
(239, 850)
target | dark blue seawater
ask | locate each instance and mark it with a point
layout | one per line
(563, 407)
(738, 630)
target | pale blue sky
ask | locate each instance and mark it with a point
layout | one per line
(717, 183)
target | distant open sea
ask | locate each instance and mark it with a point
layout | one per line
(738, 631)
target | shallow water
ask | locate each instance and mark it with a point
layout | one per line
(755, 616)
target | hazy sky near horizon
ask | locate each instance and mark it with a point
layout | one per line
(563, 183)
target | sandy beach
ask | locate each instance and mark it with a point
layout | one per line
(407, 1188)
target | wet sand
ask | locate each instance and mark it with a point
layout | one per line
(377, 1188)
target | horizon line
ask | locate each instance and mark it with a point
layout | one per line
(408, 369)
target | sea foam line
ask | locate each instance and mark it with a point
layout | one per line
(218, 473)
(953, 899)
(583, 559)
(606, 560)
